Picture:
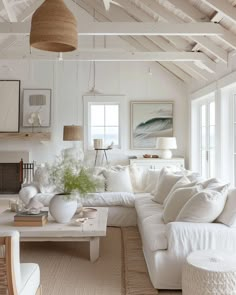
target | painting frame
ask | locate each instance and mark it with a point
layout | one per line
(14, 112)
(152, 107)
(45, 112)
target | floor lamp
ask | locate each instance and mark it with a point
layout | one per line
(74, 133)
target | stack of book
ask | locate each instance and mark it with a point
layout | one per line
(26, 219)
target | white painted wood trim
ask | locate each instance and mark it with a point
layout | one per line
(128, 28)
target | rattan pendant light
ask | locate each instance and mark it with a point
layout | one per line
(54, 27)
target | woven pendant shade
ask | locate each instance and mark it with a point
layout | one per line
(54, 27)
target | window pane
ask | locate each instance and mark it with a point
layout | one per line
(203, 138)
(204, 164)
(212, 136)
(111, 115)
(97, 133)
(212, 113)
(111, 135)
(212, 163)
(97, 115)
(203, 115)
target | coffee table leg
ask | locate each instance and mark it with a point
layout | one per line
(94, 249)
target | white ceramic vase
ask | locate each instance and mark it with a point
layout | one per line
(62, 209)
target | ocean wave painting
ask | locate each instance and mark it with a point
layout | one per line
(149, 121)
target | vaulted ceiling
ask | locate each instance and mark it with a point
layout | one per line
(216, 43)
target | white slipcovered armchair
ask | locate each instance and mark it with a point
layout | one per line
(16, 278)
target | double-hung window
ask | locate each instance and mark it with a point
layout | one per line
(103, 117)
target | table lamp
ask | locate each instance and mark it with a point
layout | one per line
(165, 145)
(74, 133)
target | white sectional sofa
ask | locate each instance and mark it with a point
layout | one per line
(165, 246)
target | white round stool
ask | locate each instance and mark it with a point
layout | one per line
(209, 273)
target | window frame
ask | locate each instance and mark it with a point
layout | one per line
(196, 133)
(89, 100)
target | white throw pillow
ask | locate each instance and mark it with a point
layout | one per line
(138, 178)
(228, 215)
(118, 181)
(176, 200)
(166, 181)
(182, 183)
(205, 206)
(151, 180)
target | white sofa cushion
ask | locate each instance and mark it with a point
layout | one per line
(151, 180)
(205, 206)
(146, 207)
(176, 201)
(228, 216)
(108, 199)
(118, 181)
(138, 178)
(182, 183)
(166, 181)
(154, 233)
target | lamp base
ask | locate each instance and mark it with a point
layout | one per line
(165, 154)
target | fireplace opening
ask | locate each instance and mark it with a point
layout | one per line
(11, 177)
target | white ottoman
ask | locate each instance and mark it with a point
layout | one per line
(209, 273)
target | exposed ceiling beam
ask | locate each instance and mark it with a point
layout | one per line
(21, 18)
(171, 18)
(128, 56)
(139, 14)
(224, 7)
(228, 37)
(127, 29)
(196, 71)
(132, 41)
(10, 12)
(189, 10)
(191, 68)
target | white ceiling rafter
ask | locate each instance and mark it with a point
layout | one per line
(21, 18)
(171, 18)
(103, 16)
(163, 43)
(125, 56)
(189, 10)
(10, 12)
(127, 29)
(189, 67)
(192, 69)
(227, 36)
(223, 7)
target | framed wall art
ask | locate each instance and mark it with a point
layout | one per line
(150, 120)
(36, 107)
(9, 105)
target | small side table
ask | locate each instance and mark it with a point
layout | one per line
(103, 156)
(209, 272)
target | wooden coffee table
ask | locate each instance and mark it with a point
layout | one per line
(90, 231)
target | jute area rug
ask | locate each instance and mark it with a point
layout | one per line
(66, 270)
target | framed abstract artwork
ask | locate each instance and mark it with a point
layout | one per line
(36, 107)
(9, 105)
(149, 120)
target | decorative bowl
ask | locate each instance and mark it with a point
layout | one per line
(90, 212)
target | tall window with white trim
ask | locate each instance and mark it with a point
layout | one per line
(204, 137)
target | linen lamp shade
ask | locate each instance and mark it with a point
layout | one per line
(54, 27)
(72, 133)
(166, 144)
